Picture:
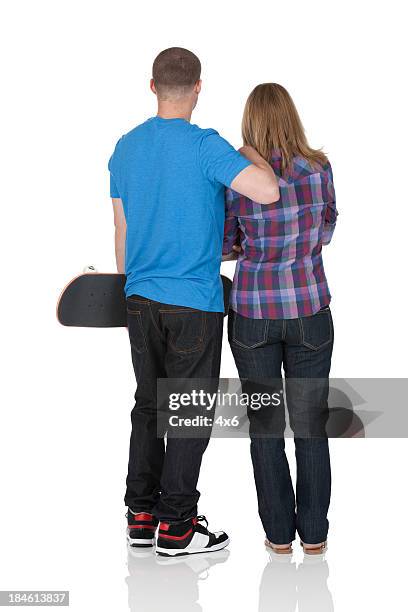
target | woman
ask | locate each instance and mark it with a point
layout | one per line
(280, 315)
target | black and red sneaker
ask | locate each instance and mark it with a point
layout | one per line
(188, 538)
(141, 529)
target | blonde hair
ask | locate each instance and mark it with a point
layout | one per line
(272, 122)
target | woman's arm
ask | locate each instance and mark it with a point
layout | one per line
(331, 213)
(231, 228)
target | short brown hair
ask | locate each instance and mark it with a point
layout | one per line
(175, 72)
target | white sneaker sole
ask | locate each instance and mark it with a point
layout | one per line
(140, 542)
(177, 552)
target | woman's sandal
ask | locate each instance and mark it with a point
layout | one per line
(314, 549)
(287, 550)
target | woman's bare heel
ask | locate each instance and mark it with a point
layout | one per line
(279, 549)
(314, 549)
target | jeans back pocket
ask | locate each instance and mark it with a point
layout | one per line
(247, 333)
(185, 328)
(317, 331)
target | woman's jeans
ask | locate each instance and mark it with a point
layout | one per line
(303, 347)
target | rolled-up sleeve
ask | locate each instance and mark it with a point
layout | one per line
(231, 226)
(331, 213)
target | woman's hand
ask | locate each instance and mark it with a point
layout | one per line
(236, 250)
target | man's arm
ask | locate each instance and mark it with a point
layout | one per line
(120, 234)
(244, 171)
(258, 181)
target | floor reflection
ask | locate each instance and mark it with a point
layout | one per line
(157, 583)
(285, 585)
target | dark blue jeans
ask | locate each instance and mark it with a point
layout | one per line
(303, 347)
(167, 342)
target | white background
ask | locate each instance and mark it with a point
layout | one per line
(75, 78)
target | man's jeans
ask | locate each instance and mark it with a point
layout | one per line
(304, 348)
(167, 342)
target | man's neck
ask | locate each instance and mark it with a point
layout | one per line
(174, 110)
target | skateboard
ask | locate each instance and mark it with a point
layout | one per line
(95, 299)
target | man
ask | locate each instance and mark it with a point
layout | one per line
(167, 186)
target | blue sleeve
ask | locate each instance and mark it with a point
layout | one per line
(114, 193)
(113, 167)
(219, 161)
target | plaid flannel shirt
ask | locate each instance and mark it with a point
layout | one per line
(279, 273)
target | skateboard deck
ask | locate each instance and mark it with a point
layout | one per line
(98, 300)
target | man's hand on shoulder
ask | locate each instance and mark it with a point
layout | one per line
(252, 154)
(258, 181)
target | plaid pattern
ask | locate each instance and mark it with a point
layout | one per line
(279, 274)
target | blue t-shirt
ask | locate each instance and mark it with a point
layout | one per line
(170, 176)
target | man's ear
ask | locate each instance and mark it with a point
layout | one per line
(197, 87)
(153, 87)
